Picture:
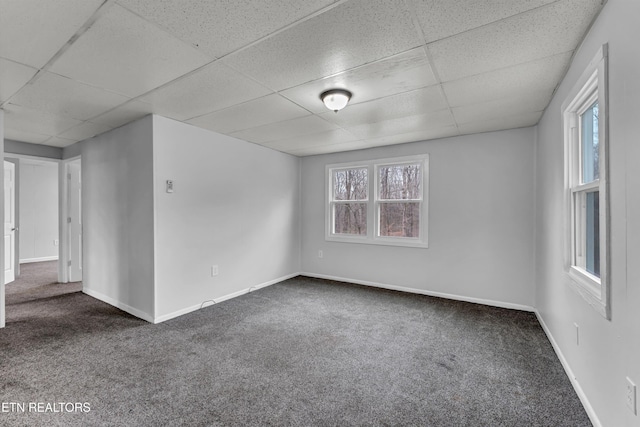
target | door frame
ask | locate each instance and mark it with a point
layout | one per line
(64, 228)
(13, 232)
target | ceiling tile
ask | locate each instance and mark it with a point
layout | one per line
(535, 102)
(420, 101)
(123, 53)
(209, 89)
(545, 31)
(329, 148)
(286, 129)
(12, 77)
(337, 136)
(351, 34)
(268, 109)
(65, 97)
(443, 18)
(521, 80)
(399, 73)
(30, 120)
(501, 123)
(32, 31)
(414, 123)
(56, 141)
(421, 135)
(220, 27)
(123, 114)
(84, 130)
(25, 136)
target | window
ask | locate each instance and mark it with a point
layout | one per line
(378, 202)
(585, 128)
(349, 201)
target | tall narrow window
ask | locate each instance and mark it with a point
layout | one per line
(350, 189)
(585, 123)
(399, 200)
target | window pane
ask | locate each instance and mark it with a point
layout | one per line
(350, 218)
(400, 182)
(400, 219)
(589, 144)
(593, 233)
(350, 184)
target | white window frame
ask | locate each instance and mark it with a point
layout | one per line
(591, 87)
(373, 203)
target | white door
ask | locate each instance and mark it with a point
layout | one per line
(9, 222)
(75, 221)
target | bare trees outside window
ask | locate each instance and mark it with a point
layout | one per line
(400, 195)
(350, 189)
(382, 202)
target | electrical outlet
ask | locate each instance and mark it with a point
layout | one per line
(214, 270)
(631, 396)
(320, 254)
(577, 333)
(55, 242)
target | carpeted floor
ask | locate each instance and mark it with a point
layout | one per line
(304, 352)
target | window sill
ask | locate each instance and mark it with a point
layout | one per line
(590, 288)
(409, 243)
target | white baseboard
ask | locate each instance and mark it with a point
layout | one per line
(122, 306)
(492, 303)
(567, 369)
(41, 259)
(218, 300)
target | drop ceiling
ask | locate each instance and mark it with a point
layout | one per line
(254, 69)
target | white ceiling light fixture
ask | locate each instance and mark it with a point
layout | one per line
(335, 99)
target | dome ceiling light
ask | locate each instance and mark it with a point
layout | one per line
(335, 99)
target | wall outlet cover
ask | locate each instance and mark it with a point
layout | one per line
(630, 396)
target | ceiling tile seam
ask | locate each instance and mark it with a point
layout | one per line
(18, 62)
(503, 98)
(519, 64)
(247, 102)
(414, 18)
(65, 116)
(169, 33)
(71, 141)
(129, 101)
(428, 42)
(47, 113)
(273, 141)
(29, 131)
(436, 74)
(353, 103)
(140, 97)
(48, 135)
(106, 4)
(498, 130)
(301, 150)
(348, 70)
(509, 116)
(575, 51)
(274, 33)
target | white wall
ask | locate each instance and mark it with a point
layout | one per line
(38, 191)
(609, 350)
(235, 205)
(117, 206)
(480, 221)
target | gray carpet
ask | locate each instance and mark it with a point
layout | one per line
(304, 352)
